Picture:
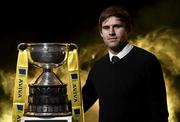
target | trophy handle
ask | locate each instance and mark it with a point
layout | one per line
(73, 46)
(69, 47)
(22, 46)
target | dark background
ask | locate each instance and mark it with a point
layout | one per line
(67, 21)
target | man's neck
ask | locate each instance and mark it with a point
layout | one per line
(122, 53)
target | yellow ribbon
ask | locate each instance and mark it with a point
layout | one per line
(20, 86)
(73, 68)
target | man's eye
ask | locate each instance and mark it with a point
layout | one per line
(119, 26)
(105, 27)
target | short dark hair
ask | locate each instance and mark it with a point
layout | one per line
(116, 11)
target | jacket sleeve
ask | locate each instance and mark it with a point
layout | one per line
(89, 93)
(156, 91)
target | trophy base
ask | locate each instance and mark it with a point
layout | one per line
(34, 114)
(47, 119)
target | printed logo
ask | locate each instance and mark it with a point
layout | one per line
(77, 111)
(20, 107)
(74, 76)
(20, 88)
(75, 97)
(22, 71)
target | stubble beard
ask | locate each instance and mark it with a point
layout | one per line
(117, 48)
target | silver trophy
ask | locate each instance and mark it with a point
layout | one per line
(48, 94)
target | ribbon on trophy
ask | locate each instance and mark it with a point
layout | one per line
(20, 86)
(77, 104)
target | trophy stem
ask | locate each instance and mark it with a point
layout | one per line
(48, 78)
(50, 70)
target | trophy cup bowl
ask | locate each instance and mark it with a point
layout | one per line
(46, 54)
(48, 94)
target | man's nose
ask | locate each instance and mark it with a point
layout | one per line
(111, 31)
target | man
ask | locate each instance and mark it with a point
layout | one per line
(128, 81)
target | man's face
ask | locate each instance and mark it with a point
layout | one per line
(113, 32)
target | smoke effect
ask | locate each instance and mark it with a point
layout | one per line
(6, 111)
(164, 43)
(7, 82)
(6, 86)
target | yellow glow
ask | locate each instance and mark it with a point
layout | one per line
(173, 101)
(6, 111)
(6, 116)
